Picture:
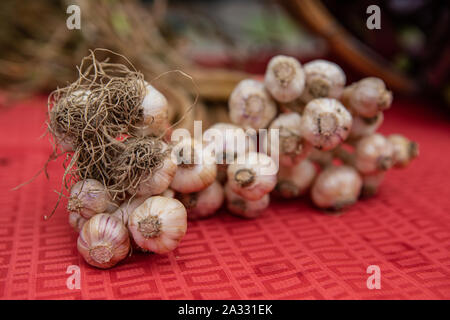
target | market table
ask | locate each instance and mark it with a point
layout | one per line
(294, 251)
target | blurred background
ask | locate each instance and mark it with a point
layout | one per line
(220, 42)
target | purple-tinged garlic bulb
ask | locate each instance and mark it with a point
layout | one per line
(88, 198)
(284, 78)
(250, 106)
(103, 241)
(324, 79)
(204, 203)
(155, 112)
(158, 224)
(367, 97)
(374, 153)
(76, 221)
(336, 187)
(127, 208)
(253, 175)
(295, 181)
(325, 123)
(405, 150)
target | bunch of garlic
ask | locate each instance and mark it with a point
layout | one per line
(326, 145)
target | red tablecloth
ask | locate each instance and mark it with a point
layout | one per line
(293, 252)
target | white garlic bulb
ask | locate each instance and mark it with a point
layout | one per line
(197, 169)
(159, 179)
(89, 197)
(294, 181)
(204, 203)
(374, 153)
(155, 111)
(365, 126)
(325, 123)
(405, 150)
(159, 224)
(103, 241)
(245, 208)
(336, 187)
(250, 105)
(291, 148)
(371, 183)
(367, 97)
(252, 175)
(126, 208)
(76, 221)
(324, 79)
(284, 78)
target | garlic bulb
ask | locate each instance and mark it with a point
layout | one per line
(284, 78)
(362, 127)
(371, 183)
(76, 221)
(404, 150)
(245, 208)
(323, 79)
(293, 182)
(250, 105)
(367, 97)
(204, 203)
(103, 241)
(292, 148)
(325, 123)
(89, 197)
(159, 180)
(155, 111)
(296, 105)
(336, 187)
(159, 224)
(191, 176)
(252, 175)
(374, 153)
(126, 208)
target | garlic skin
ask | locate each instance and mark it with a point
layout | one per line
(88, 198)
(250, 106)
(204, 203)
(323, 79)
(371, 183)
(296, 105)
(374, 153)
(126, 208)
(158, 224)
(159, 179)
(362, 127)
(336, 187)
(293, 182)
(284, 78)
(103, 241)
(252, 176)
(367, 97)
(405, 150)
(245, 208)
(155, 110)
(292, 148)
(193, 177)
(76, 221)
(325, 123)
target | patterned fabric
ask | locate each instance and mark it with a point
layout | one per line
(293, 252)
